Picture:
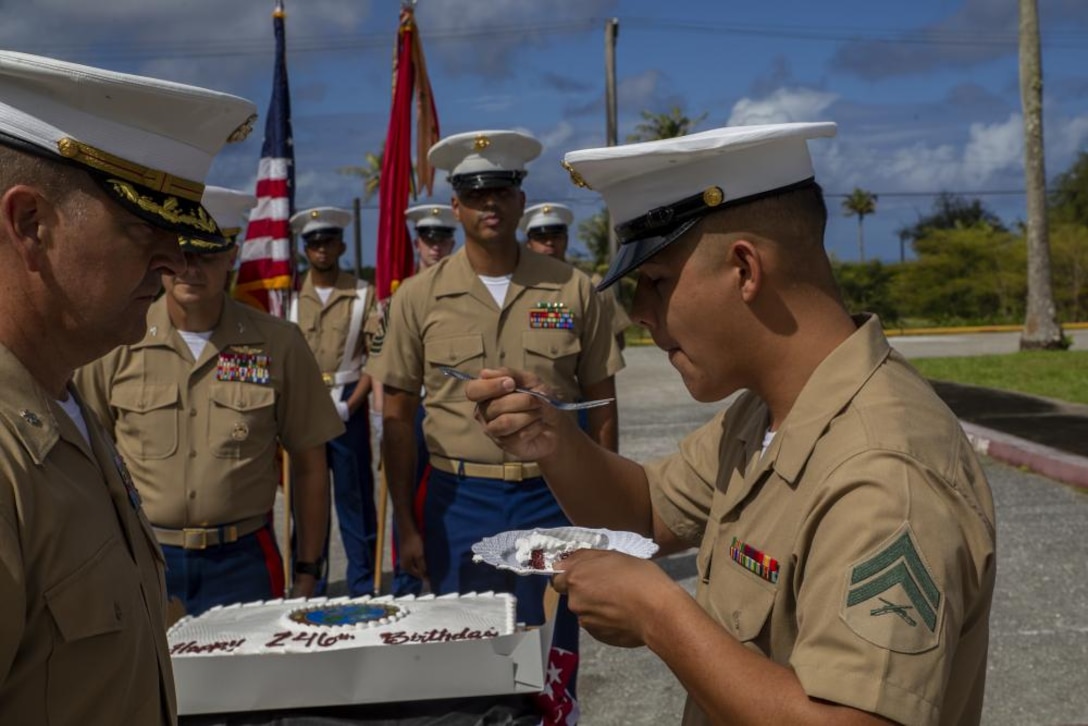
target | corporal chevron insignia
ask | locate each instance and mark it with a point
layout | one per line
(891, 598)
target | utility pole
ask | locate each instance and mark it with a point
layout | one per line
(611, 33)
(357, 207)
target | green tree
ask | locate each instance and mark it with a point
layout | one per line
(951, 211)
(869, 287)
(1069, 195)
(1041, 328)
(964, 275)
(860, 204)
(593, 233)
(1069, 248)
(371, 173)
(669, 125)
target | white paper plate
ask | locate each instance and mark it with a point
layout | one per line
(501, 550)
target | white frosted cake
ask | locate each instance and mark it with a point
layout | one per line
(313, 625)
(319, 651)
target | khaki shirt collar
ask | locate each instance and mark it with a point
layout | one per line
(344, 287)
(26, 408)
(234, 328)
(31, 413)
(831, 387)
(461, 279)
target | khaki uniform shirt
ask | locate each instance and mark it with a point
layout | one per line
(445, 316)
(82, 596)
(326, 325)
(621, 321)
(200, 437)
(858, 550)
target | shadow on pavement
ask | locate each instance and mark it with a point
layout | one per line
(1059, 425)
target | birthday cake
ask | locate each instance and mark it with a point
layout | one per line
(326, 652)
(309, 626)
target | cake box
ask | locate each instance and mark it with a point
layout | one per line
(302, 652)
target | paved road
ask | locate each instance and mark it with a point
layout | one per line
(1039, 643)
(934, 346)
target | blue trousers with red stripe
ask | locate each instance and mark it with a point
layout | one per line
(459, 511)
(403, 583)
(243, 571)
(353, 496)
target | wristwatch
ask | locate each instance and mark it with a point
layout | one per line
(311, 568)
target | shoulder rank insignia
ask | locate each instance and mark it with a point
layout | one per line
(252, 367)
(555, 315)
(891, 598)
(378, 340)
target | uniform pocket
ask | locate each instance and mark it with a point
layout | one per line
(147, 418)
(242, 419)
(465, 352)
(739, 600)
(552, 354)
(90, 601)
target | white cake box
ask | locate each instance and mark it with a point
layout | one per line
(210, 678)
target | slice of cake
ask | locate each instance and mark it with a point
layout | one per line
(541, 551)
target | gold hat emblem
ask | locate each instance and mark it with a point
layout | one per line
(435, 211)
(240, 432)
(713, 196)
(315, 214)
(481, 143)
(575, 176)
(243, 130)
(546, 210)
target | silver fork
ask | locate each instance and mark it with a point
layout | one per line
(561, 405)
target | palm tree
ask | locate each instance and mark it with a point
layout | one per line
(1041, 328)
(860, 204)
(593, 232)
(664, 125)
(371, 174)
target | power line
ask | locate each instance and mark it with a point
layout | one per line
(313, 44)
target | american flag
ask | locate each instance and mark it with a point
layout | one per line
(557, 703)
(266, 274)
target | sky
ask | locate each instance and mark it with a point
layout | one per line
(926, 93)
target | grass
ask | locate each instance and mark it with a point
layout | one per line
(1060, 375)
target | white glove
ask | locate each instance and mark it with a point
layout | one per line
(376, 424)
(342, 409)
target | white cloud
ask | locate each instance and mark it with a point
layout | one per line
(1068, 138)
(992, 148)
(558, 136)
(782, 106)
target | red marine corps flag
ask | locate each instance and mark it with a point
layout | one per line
(266, 273)
(395, 259)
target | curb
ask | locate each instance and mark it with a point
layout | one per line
(1049, 462)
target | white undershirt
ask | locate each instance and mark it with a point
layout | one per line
(323, 293)
(72, 409)
(768, 437)
(196, 341)
(497, 286)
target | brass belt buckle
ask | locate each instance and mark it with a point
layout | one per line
(194, 539)
(512, 471)
(328, 379)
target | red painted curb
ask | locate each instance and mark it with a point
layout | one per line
(1044, 460)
